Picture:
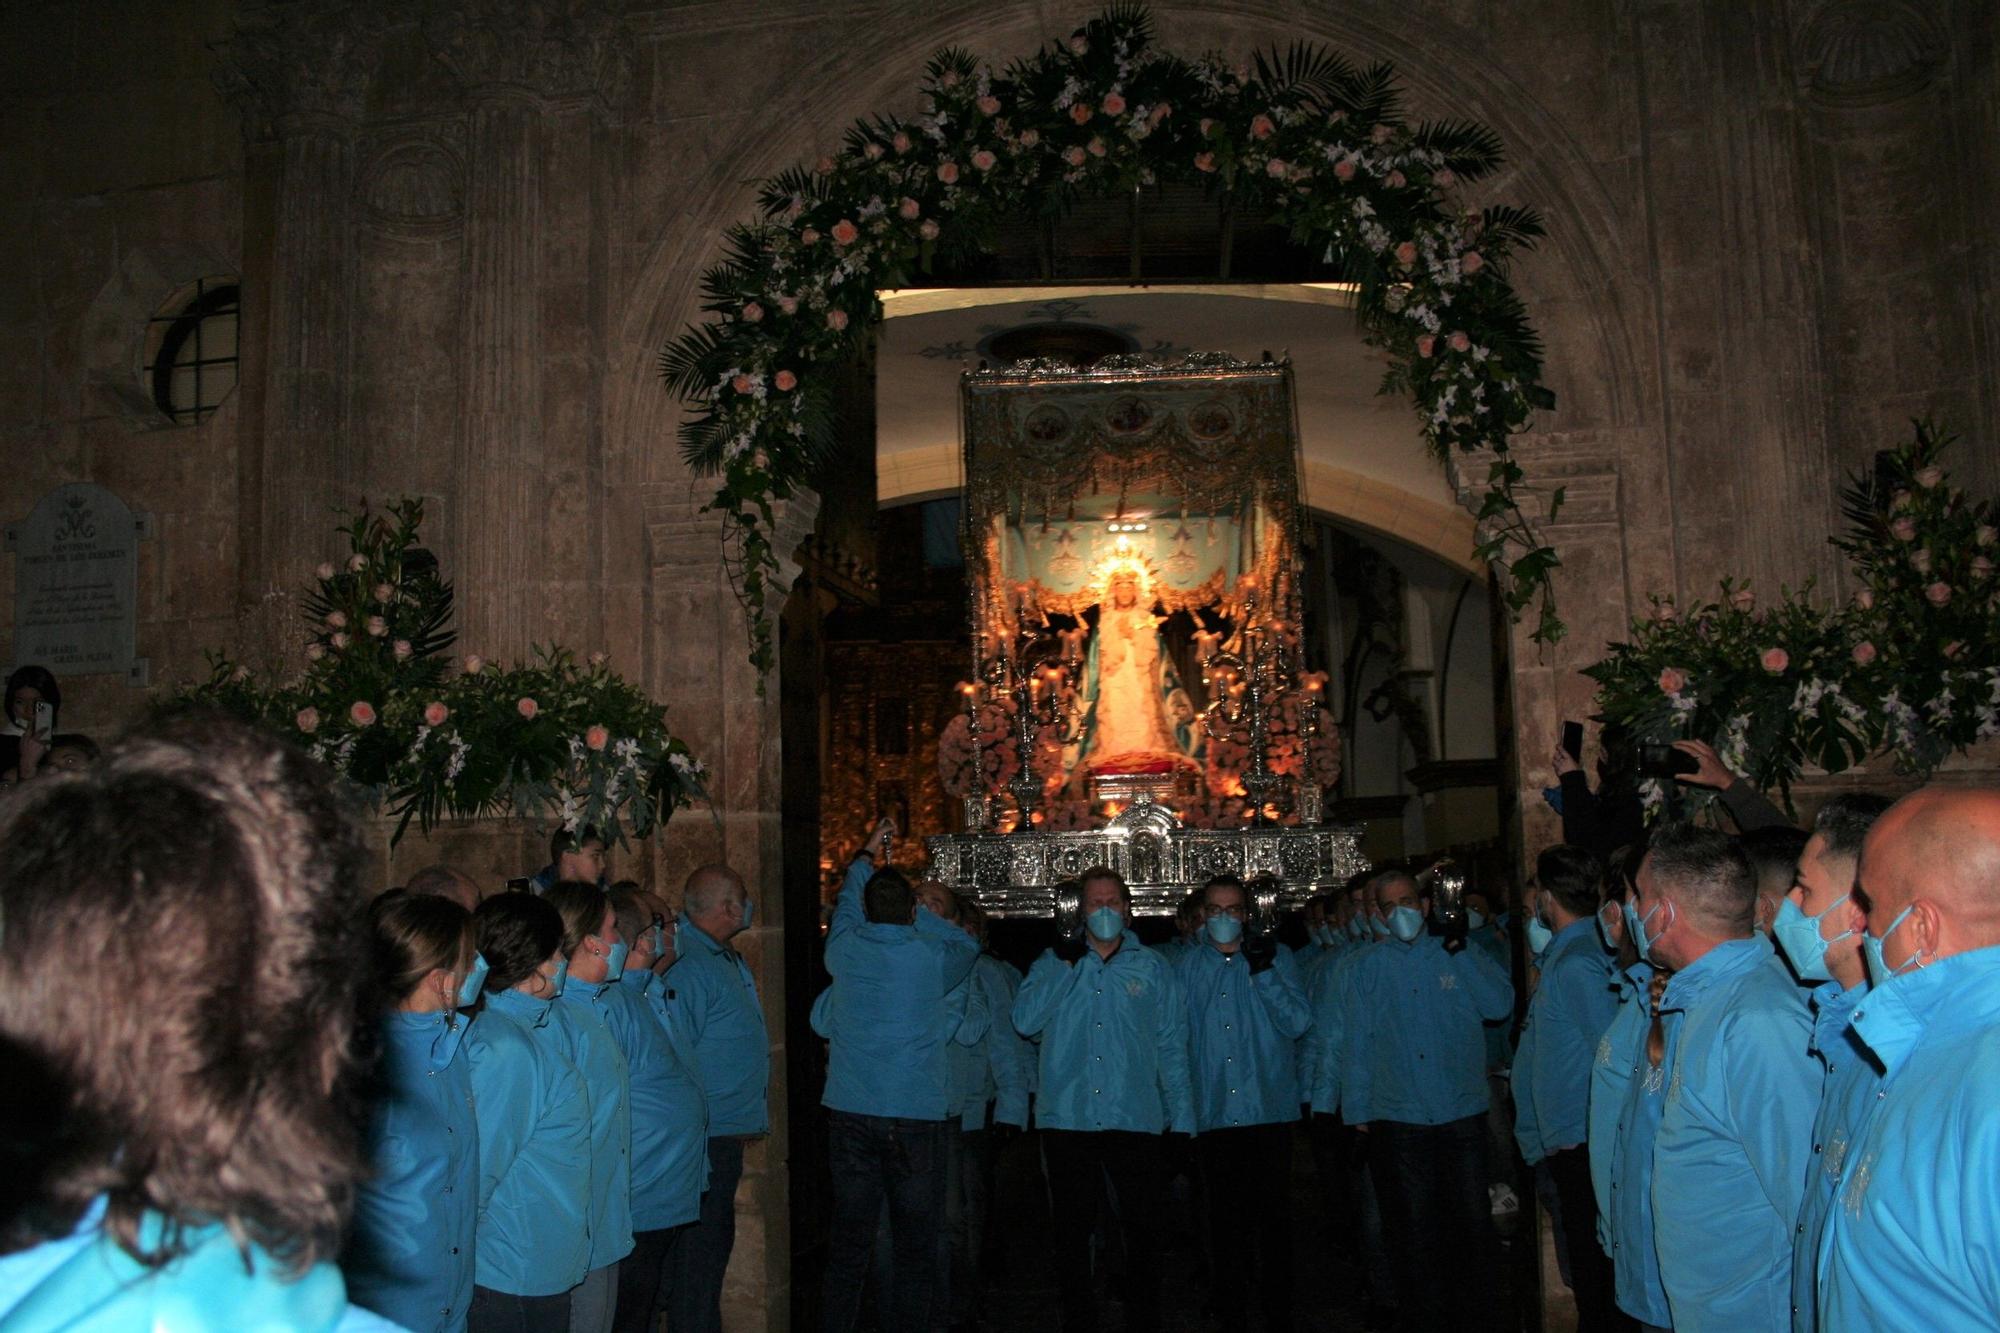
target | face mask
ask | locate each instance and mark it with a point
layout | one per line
(1635, 929)
(1539, 936)
(749, 911)
(614, 962)
(1475, 919)
(1105, 924)
(1641, 939)
(1378, 927)
(1224, 928)
(1799, 937)
(560, 979)
(659, 942)
(1406, 923)
(1604, 929)
(475, 981)
(1871, 948)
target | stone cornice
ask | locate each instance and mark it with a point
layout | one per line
(536, 48)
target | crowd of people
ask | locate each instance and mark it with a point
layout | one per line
(1754, 1077)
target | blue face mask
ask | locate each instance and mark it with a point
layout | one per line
(749, 912)
(1799, 937)
(560, 979)
(1224, 928)
(614, 962)
(1105, 924)
(1879, 973)
(1475, 919)
(1539, 936)
(1378, 927)
(1406, 923)
(1604, 930)
(475, 981)
(1357, 928)
(1635, 926)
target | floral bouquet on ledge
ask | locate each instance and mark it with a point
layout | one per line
(380, 704)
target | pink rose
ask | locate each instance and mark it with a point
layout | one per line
(789, 304)
(598, 658)
(1204, 161)
(1928, 477)
(989, 105)
(1460, 342)
(1381, 133)
(1982, 568)
(845, 232)
(435, 714)
(928, 230)
(384, 593)
(1937, 594)
(474, 665)
(1073, 155)
(1262, 127)
(1471, 262)
(1953, 649)
(1864, 653)
(324, 571)
(1095, 146)
(1343, 169)
(1160, 112)
(948, 172)
(356, 563)
(527, 707)
(1901, 500)
(1920, 559)
(402, 649)
(786, 381)
(1673, 680)
(1077, 45)
(836, 320)
(1742, 599)
(909, 208)
(810, 236)
(339, 641)
(950, 79)
(1445, 178)
(1396, 180)
(872, 151)
(1275, 168)
(1903, 529)
(307, 720)
(1079, 113)
(1426, 345)
(900, 141)
(1865, 600)
(596, 737)
(1205, 124)
(336, 619)
(1112, 105)
(1664, 613)
(1986, 534)
(314, 652)
(1029, 138)
(824, 166)
(984, 159)
(1406, 253)
(740, 383)
(1775, 660)
(752, 313)
(361, 713)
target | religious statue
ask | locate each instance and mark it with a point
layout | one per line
(1137, 717)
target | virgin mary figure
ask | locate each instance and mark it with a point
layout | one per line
(1137, 717)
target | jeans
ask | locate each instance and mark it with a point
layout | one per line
(1590, 1273)
(1081, 1165)
(645, 1279)
(964, 1222)
(1247, 1172)
(498, 1312)
(593, 1302)
(1431, 1183)
(701, 1256)
(872, 1158)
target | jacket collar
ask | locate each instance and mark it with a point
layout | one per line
(1729, 959)
(1571, 939)
(1952, 995)
(689, 930)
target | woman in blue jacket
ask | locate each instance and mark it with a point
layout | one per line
(534, 1127)
(197, 1159)
(411, 1255)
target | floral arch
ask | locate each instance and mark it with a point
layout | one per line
(1320, 144)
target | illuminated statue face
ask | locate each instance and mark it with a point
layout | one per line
(1124, 593)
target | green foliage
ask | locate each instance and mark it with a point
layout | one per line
(1912, 663)
(1318, 143)
(380, 704)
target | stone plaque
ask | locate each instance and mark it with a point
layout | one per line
(76, 572)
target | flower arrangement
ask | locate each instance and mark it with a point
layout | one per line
(380, 704)
(1911, 663)
(1322, 145)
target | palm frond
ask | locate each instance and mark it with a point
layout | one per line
(952, 60)
(693, 362)
(1505, 227)
(1368, 96)
(1470, 149)
(1304, 71)
(778, 192)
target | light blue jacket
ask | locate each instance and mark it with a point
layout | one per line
(86, 1283)
(997, 1069)
(1415, 1051)
(886, 1019)
(712, 1005)
(580, 1014)
(965, 1075)
(1635, 1258)
(1914, 1243)
(1729, 1163)
(534, 1149)
(1323, 1050)
(1851, 1079)
(1620, 1053)
(1242, 1035)
(1567, 1017)
(1114, 1041)
(410, 1256)
(669, 1114)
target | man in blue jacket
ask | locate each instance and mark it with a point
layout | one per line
(1114, 1074)
(1571, 1009)
(888, 1026)
(1729, 1157)
(1246, 1012)
(1911, 1241)
(1413, 1073)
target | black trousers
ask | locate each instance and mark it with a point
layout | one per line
(497, 1312)
(645, 1279)
(1122, 1175)
(1247, 1178)
(875, 1160)
(1590, 1274)
(1430, 1181)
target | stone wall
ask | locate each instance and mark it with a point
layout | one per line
(466, 229)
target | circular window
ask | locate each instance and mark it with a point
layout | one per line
(192, 351)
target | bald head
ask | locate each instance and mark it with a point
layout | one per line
(713, 899)
(1937, 852)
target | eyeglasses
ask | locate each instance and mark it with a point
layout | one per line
(659, 922)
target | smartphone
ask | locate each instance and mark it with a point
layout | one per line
(1664, 761)
(521, 885)
(1572, 741)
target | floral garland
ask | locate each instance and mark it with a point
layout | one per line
(1321, 145)
(378, 703)
(1911, 664)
